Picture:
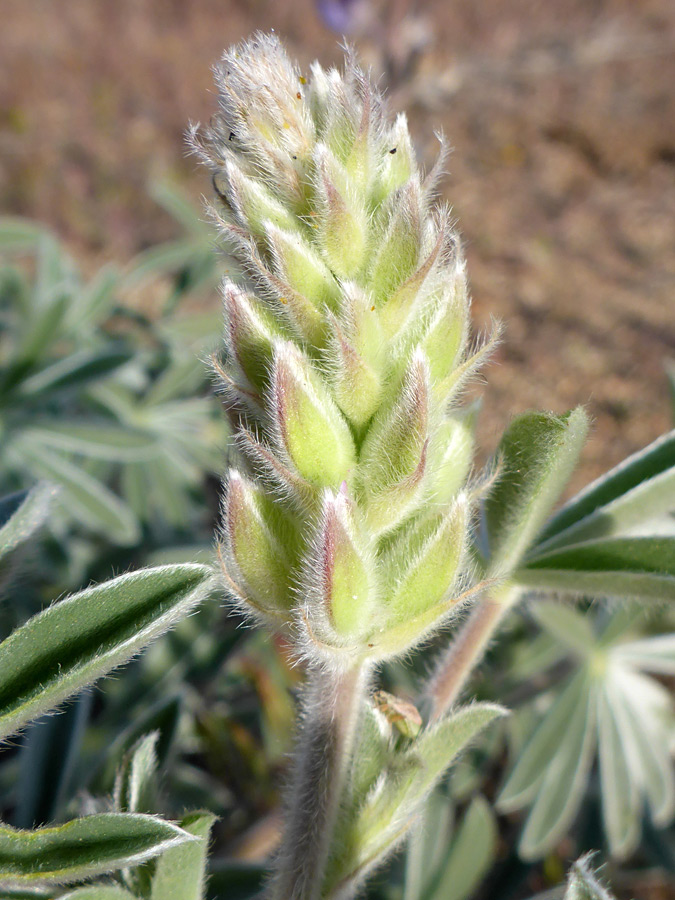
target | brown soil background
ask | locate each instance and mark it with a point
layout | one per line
(561, 113)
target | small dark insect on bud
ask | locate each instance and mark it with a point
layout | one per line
(393, 150)
(231, 136)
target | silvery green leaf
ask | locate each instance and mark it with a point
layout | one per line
(536, 457)
(92, 302)
(180, 874)
(22, 513)
(525, 779)
(134, 784)
(653, 654)
(645, 719)
(638, 567)
(84, 496)
(92, 845)
(471, 854)
(96, 440)
(77, 640)
(75, 370)
(562, 784)
(639, 489)
(621, 802)
(567, 625)
(428, 844)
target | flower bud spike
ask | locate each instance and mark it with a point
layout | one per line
(343, 223)
(254, 561)
(309, 427)
(337, 584)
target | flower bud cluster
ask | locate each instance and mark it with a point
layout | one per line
(346, 511)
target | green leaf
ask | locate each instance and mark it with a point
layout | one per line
(181, 872)
(98, 892)
(134, 785)
(641, 567)
(93, 302)
(471, 854)
(77, 640)
(640, 488)
(19, 235)
(233, 880)
(76, 370)
(537, 456)
(92, 845)
(22, 513)
(47, 762)
(97, 440)
(388, 813)
(83, 496)
(163, 718)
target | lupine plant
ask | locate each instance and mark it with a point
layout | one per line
(357, 530)
(350, 513)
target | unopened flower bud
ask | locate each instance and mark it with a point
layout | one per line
(339, 584)
(255, 563)
(310, 428)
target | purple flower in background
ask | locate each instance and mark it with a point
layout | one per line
(337, 14)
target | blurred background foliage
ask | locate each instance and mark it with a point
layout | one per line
(562, 116)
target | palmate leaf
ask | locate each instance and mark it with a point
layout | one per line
(92, 845)
(639, 567)
(23, 513)
(536, 457)
(77, 640)
(608, 703)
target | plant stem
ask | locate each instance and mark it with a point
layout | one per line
(468, 649)
(324, 748)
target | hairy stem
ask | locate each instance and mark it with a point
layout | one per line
(468, 648)
(324, 748)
